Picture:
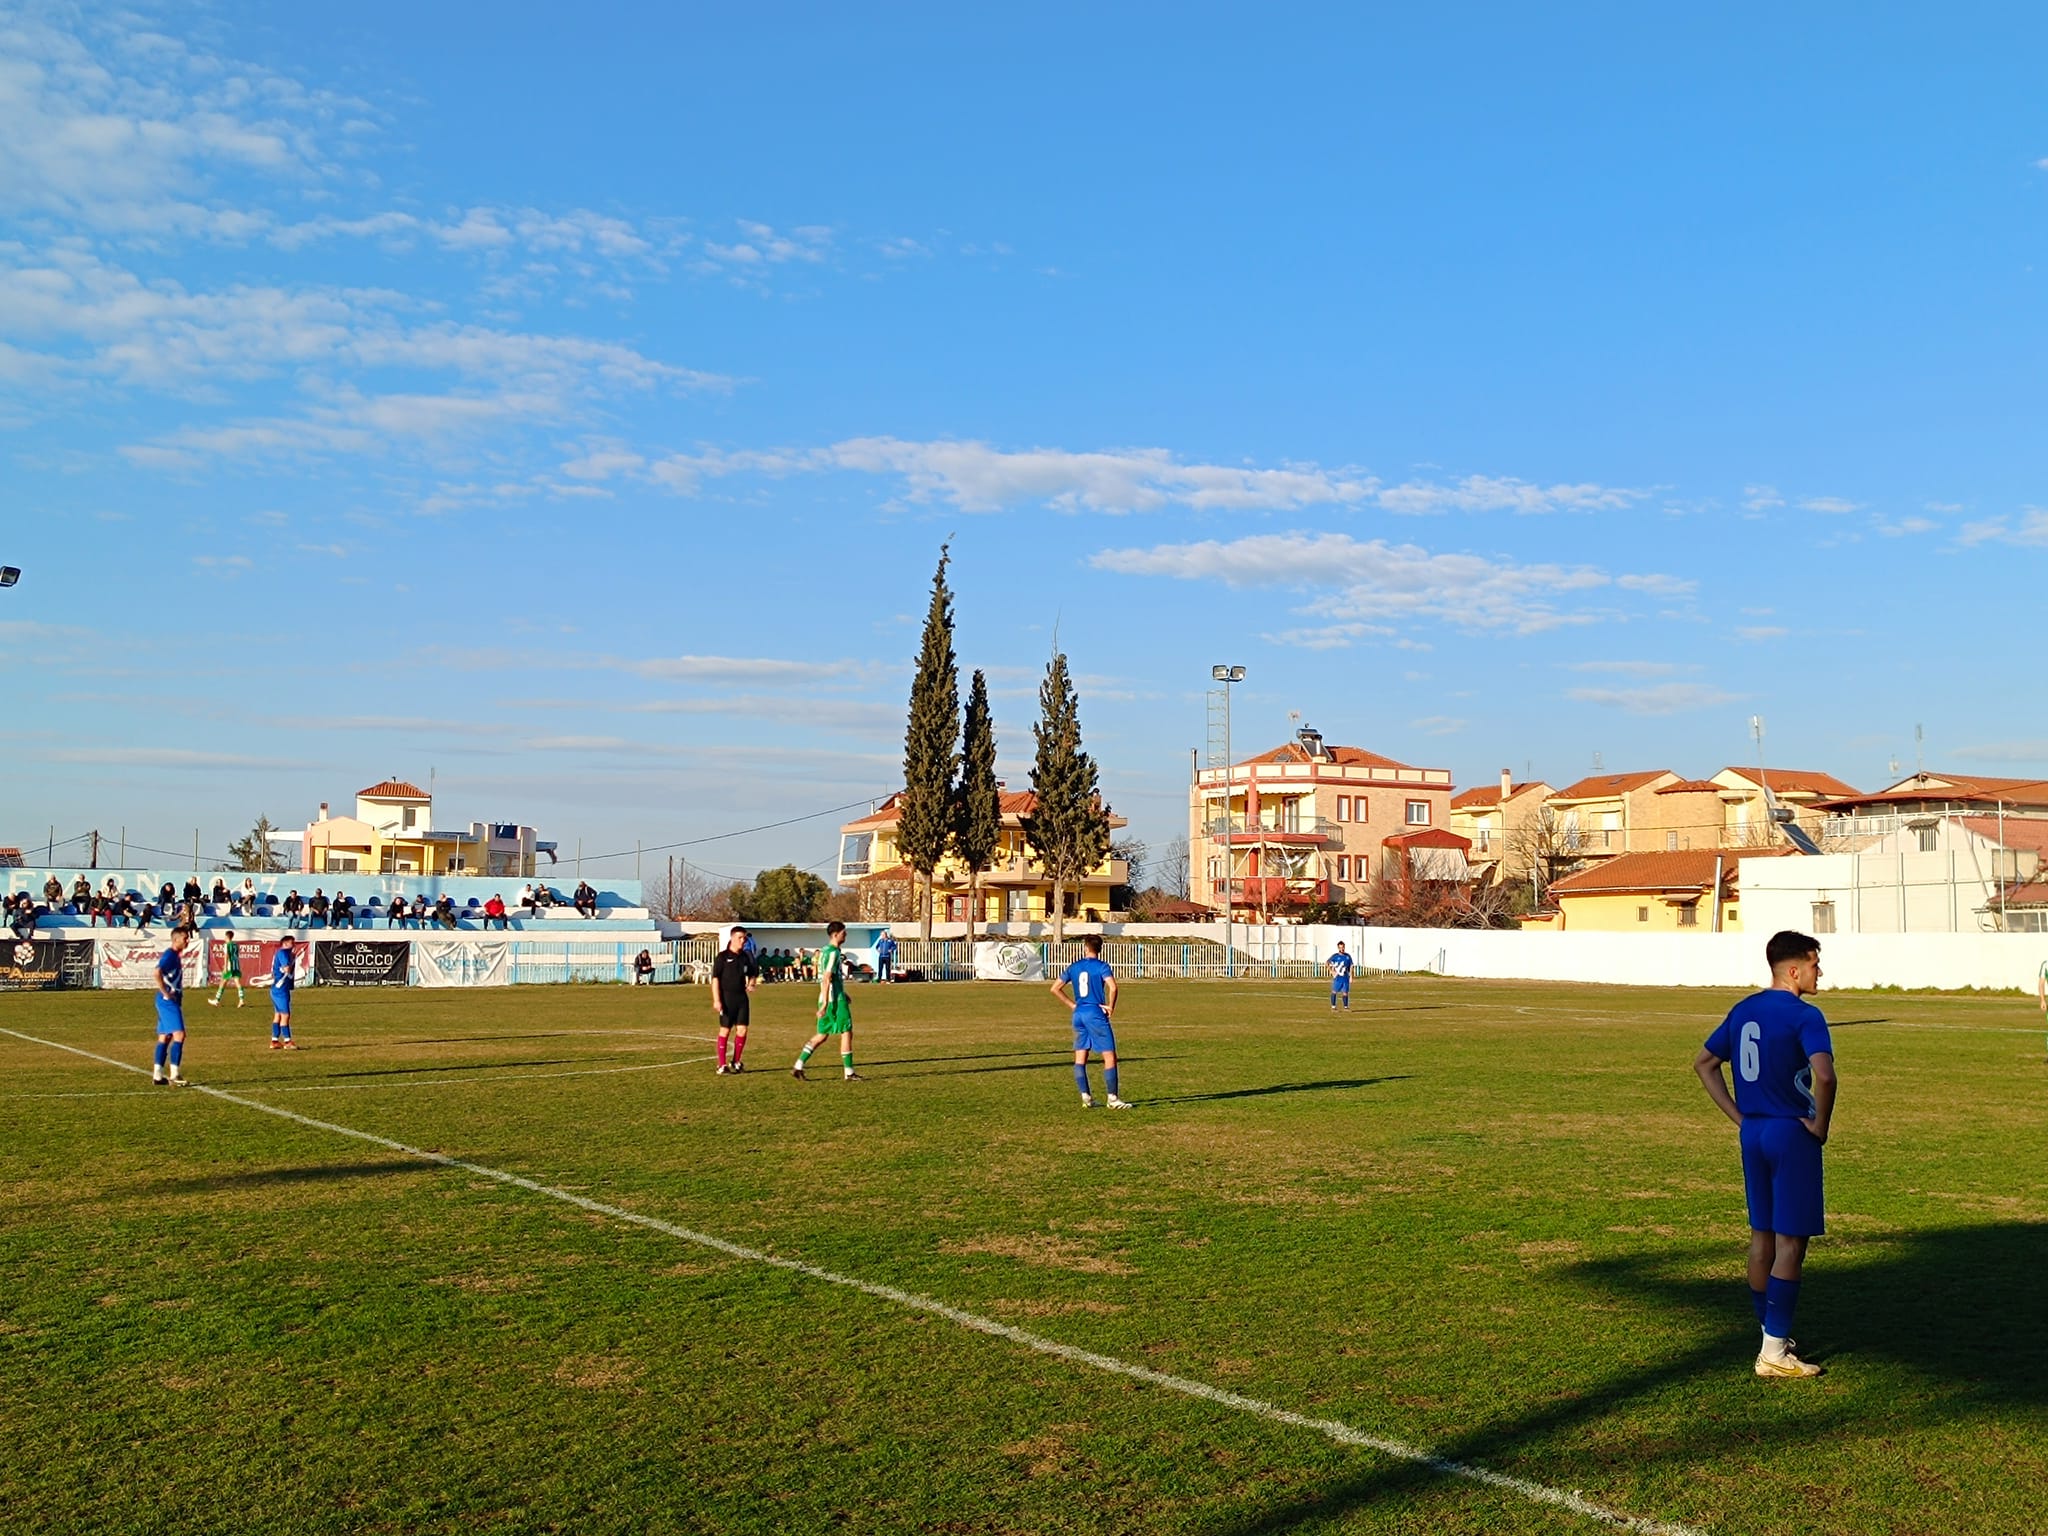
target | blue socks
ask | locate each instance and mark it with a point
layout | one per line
(1756, 1299)
(177, 1053)
(163, 1047)
(1081, 1075)
(1780, 1298)
(1109, 1080)
(276, 1030)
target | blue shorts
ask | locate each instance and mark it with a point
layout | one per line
(1340, 983)
(280, 1000)
(1092, 1032)
(1781, 1174)
(170, 1016)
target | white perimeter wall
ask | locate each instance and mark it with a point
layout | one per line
(1920, 960)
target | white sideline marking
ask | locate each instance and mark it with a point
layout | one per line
(1331, 1429)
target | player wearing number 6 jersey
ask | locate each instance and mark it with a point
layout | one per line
(1784, 1098)
(1093, 1001)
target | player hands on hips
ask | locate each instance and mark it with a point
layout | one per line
(1093, 1001)
(1784, 1098)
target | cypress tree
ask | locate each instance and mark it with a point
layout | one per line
(978, 806)
(1068, 828)
(931, 746)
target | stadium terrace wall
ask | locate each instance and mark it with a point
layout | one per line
(120, 961)
(459, 888)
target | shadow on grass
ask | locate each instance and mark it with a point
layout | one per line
(477, 1066)
(1064, 1062)
(1270, 1089)
(1957, 1307)
(913, 1061)
(264, 1178)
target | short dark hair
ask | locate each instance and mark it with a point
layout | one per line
(1788, 945)
(835, 926)
(1092, 942)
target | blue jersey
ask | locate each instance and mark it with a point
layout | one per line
(1088, 980)
(170, 967)
(885, 947)
(281, 972)
(1771, 1036)
(1340, 968)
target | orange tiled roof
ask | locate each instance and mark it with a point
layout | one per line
(1691, 787)
(1489, 794)
(1796, 781)
(392, 789)
(1602, 784)
(1948, 786)
(1350, 757)
(1681, 869)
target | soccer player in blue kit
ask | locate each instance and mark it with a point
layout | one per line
(1093, 1001)
(1340, 977)
(170, 1010)
(283, 977)
(1784, 1098)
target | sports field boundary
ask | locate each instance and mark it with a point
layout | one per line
(1331, 1429)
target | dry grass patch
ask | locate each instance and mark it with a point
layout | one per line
(1041, 1249)
(1006, 1306)
(598, 1373)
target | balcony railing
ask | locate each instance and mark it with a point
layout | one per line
(1306, 826)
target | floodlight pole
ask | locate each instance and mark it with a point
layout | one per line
(1226, 675)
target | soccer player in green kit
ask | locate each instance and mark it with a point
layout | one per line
(835, 1013)
(231, 972)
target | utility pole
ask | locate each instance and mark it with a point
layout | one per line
(1226, 676)
(96, 848)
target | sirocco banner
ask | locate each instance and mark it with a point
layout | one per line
(257, 955)
(42, 965)
(362, 962)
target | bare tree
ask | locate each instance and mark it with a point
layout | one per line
(688, 892)
(1174, 876)
(1540, 851)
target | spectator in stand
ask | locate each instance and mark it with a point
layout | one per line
(526, 898)
(21, 915)
(220, 896)
(194, 893)
(394, 915)
(422, 910)
(344, 911)
(53, 893)
(112, 888)
(316, 909)
(294, 910)
(166, 898)
(643, 969)
(586, 899)
(142, 911)
(444, 912)
(544, 896)
(494, 912)
(247, 897)
(81, 896)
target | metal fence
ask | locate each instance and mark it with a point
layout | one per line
(1131, 959)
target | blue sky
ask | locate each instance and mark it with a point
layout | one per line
(572, 403)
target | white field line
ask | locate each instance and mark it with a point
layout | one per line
(1330, 1429)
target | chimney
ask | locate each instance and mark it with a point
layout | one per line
(323, 810)
(1507, 785)
(1311, 741)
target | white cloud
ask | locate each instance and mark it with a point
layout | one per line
(2031, 530)
(738, 669)
(1832, 506)
(1488, 493)
(1903, 527)
(1626, 668)
(1761, 498)
(1378, 584)
(1760, 632)
(1656, 699)
(164, 757)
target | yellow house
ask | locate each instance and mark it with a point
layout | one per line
(1013, 888)
(1693, 890)
(393, 833)
(1499, 821)
(1747, 817)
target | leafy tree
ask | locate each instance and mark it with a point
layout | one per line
(1068, 828)
(977, 803)
(255, 853)
(931, 746)
(784, 895)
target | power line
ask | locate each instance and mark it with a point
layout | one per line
(720, 837)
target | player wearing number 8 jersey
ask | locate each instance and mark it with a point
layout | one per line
(1783, 1100)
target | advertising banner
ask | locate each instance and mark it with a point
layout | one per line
(362, 962)
(1008, 960)
(464, 962)
(41, 965)
(131, 963)
(257, 955)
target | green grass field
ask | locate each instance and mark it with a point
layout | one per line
(1496, 1221)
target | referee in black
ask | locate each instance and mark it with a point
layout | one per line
(733, 977)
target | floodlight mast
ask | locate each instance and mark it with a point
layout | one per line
(9, 575)
(1226, 675)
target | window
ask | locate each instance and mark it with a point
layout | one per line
(1688, 917)
(1930, 838)
(412, 815)
(1642, 914)
(1733, 914)
(1482, 839)
(1343, 867)
(1823, 917)
(1215, 870)
(1343, 807)
(1418, 813)
(1671, 842)
(340, 866)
